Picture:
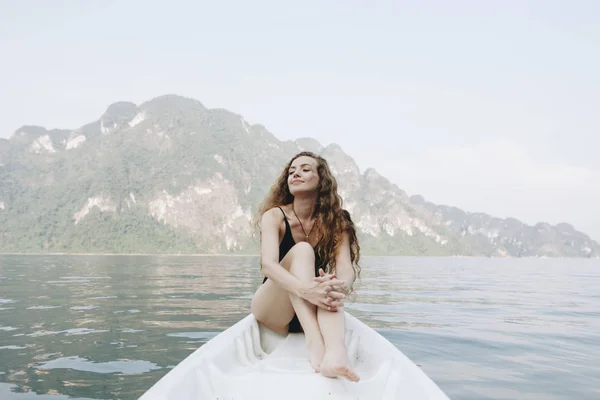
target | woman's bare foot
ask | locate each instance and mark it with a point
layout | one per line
(335, 365)
(316, 350)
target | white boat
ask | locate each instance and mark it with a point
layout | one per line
(249, 361)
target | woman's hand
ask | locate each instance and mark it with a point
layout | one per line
(343, 289)
(323, 277)
(324, 293)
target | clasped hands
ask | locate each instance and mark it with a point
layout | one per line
(328, 293)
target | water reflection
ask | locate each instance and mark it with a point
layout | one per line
(12, 391)
(114, 316)
(109, 326)
(81, 364)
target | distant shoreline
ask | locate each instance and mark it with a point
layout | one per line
(257, 255)
(215, 255)
(131, 254)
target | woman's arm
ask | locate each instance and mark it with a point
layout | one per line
(269, 253)
(343, 263)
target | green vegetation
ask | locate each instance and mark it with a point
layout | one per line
(176, 181)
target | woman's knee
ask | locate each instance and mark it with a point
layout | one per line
(300, 254)
(303, 249)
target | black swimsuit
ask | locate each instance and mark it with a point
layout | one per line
(286, 244)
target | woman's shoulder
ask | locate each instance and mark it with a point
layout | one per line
(277, 212)
(272, 218)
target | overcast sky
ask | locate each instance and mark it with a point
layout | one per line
(490, 106)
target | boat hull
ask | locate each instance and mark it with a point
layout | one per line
(249, 361)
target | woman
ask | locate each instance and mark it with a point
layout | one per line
(305, 233)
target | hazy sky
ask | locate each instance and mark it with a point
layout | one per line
(490, 106)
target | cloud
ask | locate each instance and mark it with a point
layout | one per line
(503, 179)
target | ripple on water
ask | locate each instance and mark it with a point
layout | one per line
(42, 307)
(194, 335)
(45, 356)
(127, 367)
(68, 332)
(8, 328)
(68, 281)
(83, 277)
(129, 330)
(9, 389)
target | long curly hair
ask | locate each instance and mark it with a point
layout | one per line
(330, 219)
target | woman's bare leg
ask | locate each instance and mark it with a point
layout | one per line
(271, 307)
(274, 307)
(333, 328)
(302, 265)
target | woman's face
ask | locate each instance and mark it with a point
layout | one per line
(303, 175)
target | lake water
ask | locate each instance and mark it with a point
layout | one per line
(108, 327)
